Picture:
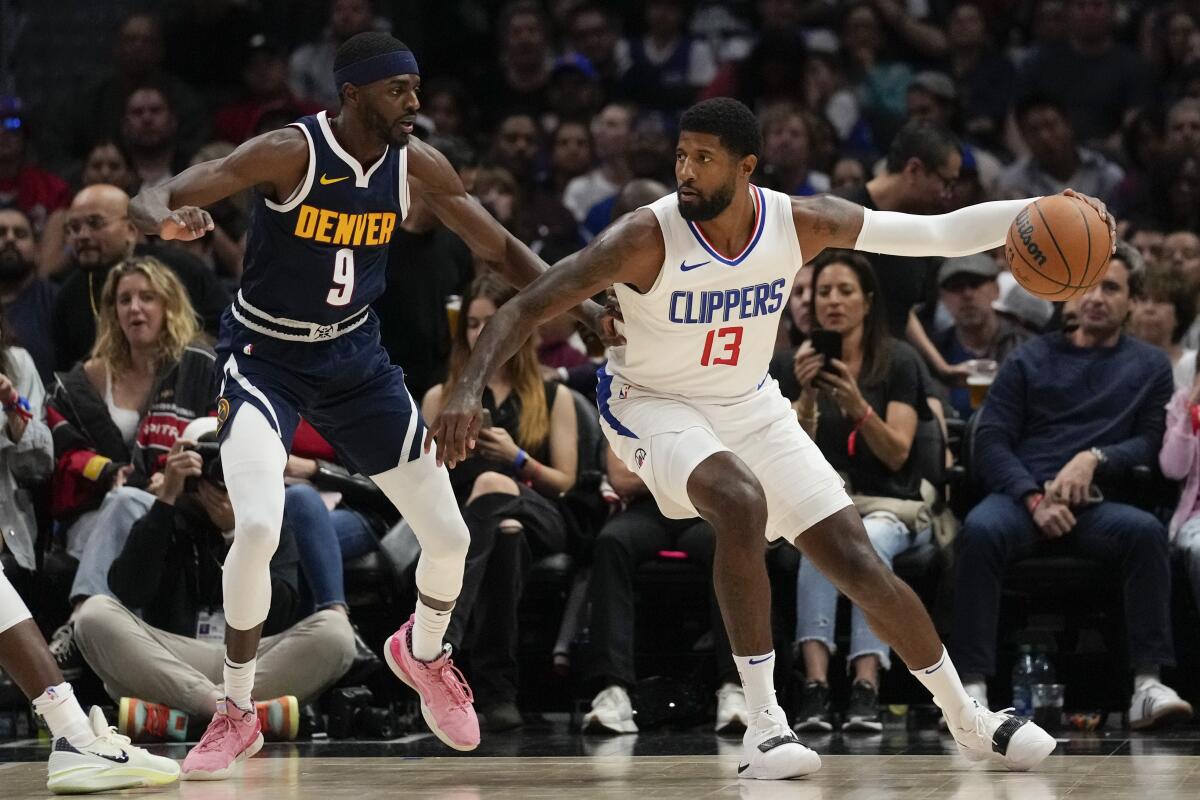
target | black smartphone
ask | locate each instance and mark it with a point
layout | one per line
(829, 345)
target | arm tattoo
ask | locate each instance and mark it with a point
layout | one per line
(829, 214)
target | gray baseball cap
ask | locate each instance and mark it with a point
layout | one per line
(977, 264)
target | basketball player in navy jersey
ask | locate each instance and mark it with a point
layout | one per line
(300, 338)
(702, 276)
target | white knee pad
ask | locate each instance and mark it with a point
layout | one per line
(253, 459)
(421, 491)
(12, 607)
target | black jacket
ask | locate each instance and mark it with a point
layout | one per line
(171, 570)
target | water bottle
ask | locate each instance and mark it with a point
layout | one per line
(1043, 668)
(1022, 683)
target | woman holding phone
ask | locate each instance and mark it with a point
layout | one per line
(525, 457)
(860, 399)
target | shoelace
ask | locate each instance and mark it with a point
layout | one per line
(220, 727)
(456, 684)
(981, 721)
(62, 645)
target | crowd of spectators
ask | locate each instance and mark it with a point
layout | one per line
(566, 121)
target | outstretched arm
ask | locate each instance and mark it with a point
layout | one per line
(432, 175)
(276, 162)
(828, 221)
(629, 251)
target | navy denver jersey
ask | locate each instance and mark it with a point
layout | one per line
(321, 255)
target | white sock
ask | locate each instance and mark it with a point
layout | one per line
(941, 679)
(428, 630)
(1144, 676)
(758, 681)
(239, 682)
(60, 708)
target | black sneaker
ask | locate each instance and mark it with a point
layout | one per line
(814, 714)
(863, 713)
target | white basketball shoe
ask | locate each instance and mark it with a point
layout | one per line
(771, 751)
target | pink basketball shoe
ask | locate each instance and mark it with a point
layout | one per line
(445, 696)
(233, 736)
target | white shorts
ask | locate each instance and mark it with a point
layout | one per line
(663, 439)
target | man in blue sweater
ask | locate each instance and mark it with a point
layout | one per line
(1068, 412)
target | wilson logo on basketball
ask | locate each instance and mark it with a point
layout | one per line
(1025, 230)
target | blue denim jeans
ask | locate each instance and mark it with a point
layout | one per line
(999, 531)
(816, 597)
(324, 539)
(108, 531)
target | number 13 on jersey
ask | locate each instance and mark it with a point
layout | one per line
(728, 342)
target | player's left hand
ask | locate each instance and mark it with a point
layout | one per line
(842, 387)
(455, 429)
(1101, 209)
(185, 224)
(495, 443)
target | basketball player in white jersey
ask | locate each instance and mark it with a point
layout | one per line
(701, 276)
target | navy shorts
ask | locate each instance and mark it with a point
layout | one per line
(347, 388)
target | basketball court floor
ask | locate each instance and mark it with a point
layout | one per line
(549, 762)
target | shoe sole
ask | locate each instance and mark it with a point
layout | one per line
(222, 774)
(595, 726)
(813, 726)
(86, 780)
(862, 726)
(425, 712)
(1172, 715)
(746, 772)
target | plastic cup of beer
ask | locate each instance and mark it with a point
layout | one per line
(980, 374)
(453, 307)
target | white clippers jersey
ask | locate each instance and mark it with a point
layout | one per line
(707, 327)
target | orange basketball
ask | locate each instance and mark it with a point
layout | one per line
(1058, 247)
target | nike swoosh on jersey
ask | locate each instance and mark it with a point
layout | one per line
(123, 758)
(686, 267)
(326, 180)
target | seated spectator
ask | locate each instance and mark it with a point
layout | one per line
(592, 33)
(610, 135)
(524, 459)
(1095, 79)
(1179, 460)
(223, 249)
(26, 300)
(968, 289)
(848, 174)
(983, 76)
(1055, 161)
(881, 80)
(1065, 420)
(150, 132)
(1147, 240)
(310, 69)
(101, 236)
(518, 81)
(26, 451)
(664, 68)
(635, 534)
(570, 154)
(117, 414)
(787, 143)
(448, 105)
(796, 326)
(543, 218)
(264, 85)
(23, 185)
(862, 412)
(1162, 315)
(170, 655)
(573, 91)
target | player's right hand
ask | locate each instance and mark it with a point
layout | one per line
(186, 224)
(455, 429)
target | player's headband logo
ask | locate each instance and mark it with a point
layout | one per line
(376, 68)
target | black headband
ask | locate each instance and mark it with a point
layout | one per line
(376, 68)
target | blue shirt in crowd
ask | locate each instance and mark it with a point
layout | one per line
(1053, 399)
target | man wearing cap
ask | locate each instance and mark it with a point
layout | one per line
(967, 288)
(329, 194)
(36, 192)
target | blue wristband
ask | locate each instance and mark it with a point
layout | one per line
(520, 461)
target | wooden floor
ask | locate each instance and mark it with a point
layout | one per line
(284, 775)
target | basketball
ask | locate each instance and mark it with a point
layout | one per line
(1058, 247)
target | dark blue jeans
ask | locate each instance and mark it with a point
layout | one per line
(999, 531)
(324, 539)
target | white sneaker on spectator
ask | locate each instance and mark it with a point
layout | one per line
(66, 653)
(771, 751)
(1157, 704)
(611, 712)
(1001, 738)
(732, 716)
